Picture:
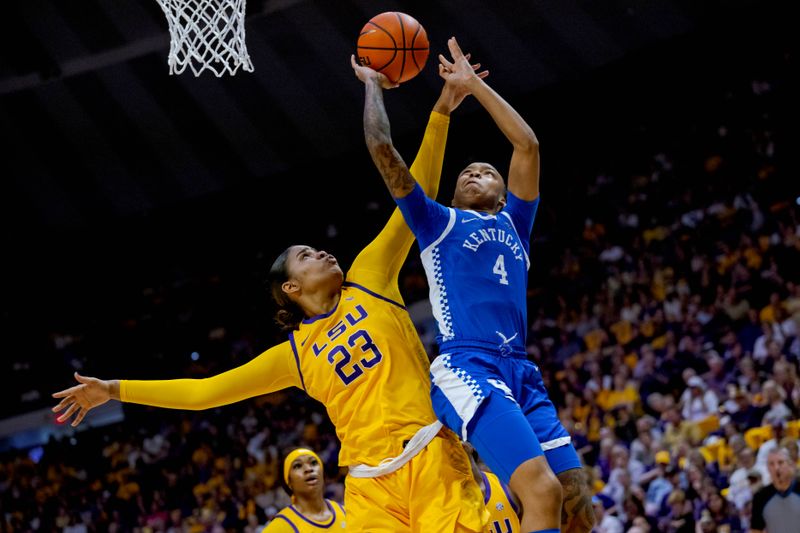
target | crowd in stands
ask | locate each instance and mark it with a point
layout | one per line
(665, 324)
(213, 471)
(668, 330)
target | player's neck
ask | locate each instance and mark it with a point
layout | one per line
(320, 302)
(313, 508)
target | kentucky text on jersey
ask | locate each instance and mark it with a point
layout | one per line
(497, 235)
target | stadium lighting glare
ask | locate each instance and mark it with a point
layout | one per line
(195, 356)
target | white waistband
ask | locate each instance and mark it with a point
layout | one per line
(556, 443)
(417, 443)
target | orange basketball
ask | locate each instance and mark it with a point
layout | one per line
(395, 44)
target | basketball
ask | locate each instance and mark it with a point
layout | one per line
(394, 44)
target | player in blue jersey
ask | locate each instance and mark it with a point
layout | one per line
(476, 257)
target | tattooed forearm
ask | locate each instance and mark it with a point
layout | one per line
(379, 142)
(394, 171)
(577, 514)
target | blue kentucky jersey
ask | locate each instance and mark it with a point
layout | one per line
(477, 267)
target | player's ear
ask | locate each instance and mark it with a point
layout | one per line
(290, 286)
(501, 203)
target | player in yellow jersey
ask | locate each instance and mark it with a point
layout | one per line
(501, 504)
(309, 511)
(353, 347)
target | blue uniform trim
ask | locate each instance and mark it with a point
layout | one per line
(478, 345)
(288, 522)
(297, 359)
(375, 294)
(317, 524)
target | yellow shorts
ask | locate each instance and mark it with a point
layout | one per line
(434, 492)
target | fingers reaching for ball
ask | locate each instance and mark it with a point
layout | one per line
(459, 70)
(446, 66)
(365, 74)
(455, 49)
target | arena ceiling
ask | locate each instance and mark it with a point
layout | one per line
(93, 126)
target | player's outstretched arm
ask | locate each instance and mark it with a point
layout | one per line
(427, 166)
(377, 133)
(523, 174)
(271, 371)
(378, 265)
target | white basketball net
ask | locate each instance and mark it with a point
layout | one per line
(206, 35)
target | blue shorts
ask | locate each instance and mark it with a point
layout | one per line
(500, 405)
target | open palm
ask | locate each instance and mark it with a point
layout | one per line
(80, 399)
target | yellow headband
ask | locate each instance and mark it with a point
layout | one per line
(287, 463)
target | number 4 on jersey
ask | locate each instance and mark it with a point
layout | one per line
(500, 269)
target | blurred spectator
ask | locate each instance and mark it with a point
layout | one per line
(700, 402)
(680, 518)
(606, 522)
(740, 480)
(659, 486)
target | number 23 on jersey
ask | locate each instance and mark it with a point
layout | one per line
(355, 353)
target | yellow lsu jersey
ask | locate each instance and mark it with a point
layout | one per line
(363, 359)
(366, 364)
(503, 516)
(291, 520)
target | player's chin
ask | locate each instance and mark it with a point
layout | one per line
(470, 187)
(480, 200)
(470, 195)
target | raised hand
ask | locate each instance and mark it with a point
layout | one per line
(80, 399)
(458, 72)
(453, 93)
(366, 74)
